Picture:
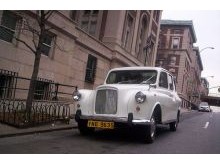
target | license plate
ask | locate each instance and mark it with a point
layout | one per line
(100, 124)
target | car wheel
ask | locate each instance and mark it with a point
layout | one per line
(83, 129)
(151, 131)
(173, 125)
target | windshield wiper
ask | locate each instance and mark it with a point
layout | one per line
(146, 81)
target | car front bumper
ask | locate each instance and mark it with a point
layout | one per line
(204, 109)
(124, 120)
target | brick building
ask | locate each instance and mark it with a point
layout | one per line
(82, 45)
(177, 54)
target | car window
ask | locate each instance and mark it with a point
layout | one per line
(170, 82)
(163, 80)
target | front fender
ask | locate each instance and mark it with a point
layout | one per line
(143, 110)
(86, 103)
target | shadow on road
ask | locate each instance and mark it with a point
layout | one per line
(123, 135)
(131, 135)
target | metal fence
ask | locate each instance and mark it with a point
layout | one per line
(51, 100)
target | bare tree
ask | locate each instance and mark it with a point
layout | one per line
(39, 34)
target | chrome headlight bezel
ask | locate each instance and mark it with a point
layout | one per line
(76, 95)
(140, 97)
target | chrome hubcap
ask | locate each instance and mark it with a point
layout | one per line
(153, 127)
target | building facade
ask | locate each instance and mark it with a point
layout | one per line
(81, 46)
(177, 54)
(204, 91)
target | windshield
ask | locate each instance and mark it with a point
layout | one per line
(132, 77)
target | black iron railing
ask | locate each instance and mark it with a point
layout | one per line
(13, 112)
(51, 101)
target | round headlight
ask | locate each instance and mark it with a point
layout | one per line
(140, 97)
(76, 95)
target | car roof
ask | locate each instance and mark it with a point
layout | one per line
(140, 68)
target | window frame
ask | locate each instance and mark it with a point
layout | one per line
(50, 47)
(175, 46)
(142, 33)
(44, 91)
(93, 17)
(8, 81)
(91, 66)
(7, 14)
(128, 31)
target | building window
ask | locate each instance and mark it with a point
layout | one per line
(5, 86)
(43, 89)
(128, 32)
(8, 26)
(47, 44)
(91, 69)
(7, 83)
(175, 43)
(142, 36)
(89, 20)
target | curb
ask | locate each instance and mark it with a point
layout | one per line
(37, 131)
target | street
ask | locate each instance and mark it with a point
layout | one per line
(197, 133)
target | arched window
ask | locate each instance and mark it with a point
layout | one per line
(142, 35)
(90, 21)
(128, 31)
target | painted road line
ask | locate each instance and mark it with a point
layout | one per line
(206, 125)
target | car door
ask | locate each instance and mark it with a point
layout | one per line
(173, 102)
(166, 97)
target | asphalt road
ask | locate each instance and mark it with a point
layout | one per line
(198, 133)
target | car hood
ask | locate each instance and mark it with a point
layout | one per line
(127, 87)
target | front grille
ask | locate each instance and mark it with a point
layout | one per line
(106, 101)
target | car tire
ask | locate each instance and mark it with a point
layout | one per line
(83, 129)
(174, 125)
(149, 135)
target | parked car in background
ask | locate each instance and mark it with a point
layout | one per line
(204, 106)
(139, 98)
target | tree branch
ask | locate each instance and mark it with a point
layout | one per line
(48, 14)
(25, 44)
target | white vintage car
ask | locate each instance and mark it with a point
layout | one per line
(135, 97)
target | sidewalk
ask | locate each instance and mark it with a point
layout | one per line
(7, 131)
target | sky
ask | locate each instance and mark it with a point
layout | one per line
(207, 28)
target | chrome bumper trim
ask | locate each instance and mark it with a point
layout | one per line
(117, 119)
